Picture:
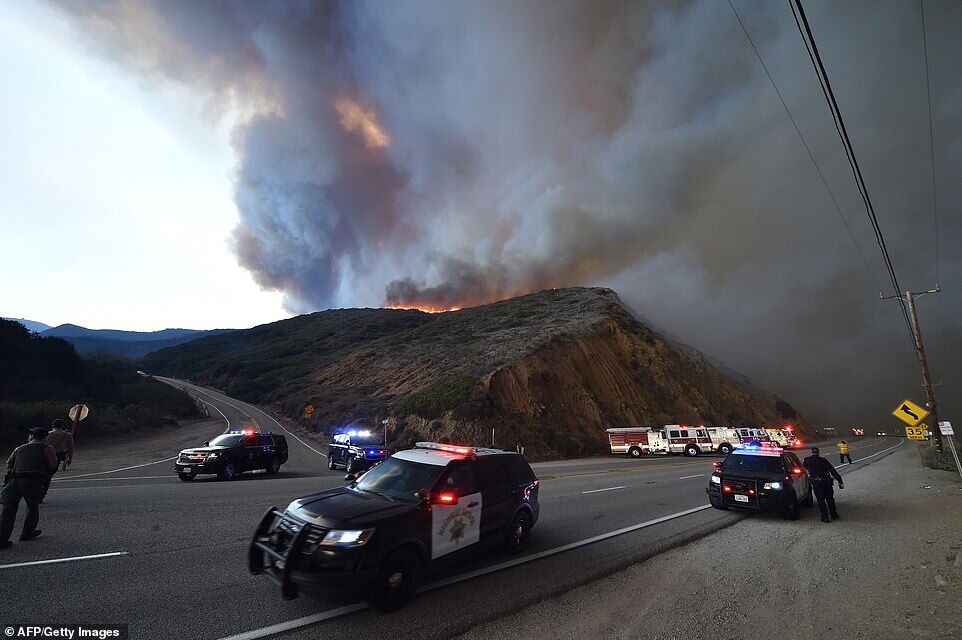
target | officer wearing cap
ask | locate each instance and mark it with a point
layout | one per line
(27, 469)
(820, 473)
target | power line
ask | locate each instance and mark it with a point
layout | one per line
(807, 149)
(809, 39)
(935, 204)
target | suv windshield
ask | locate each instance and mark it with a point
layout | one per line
(400, 479)
(226, 440)
(365, 441)
(766, 464)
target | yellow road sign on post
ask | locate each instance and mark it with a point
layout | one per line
(910, 413)
(308, 411)
(915, 433)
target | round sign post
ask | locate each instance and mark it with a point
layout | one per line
(77, 413)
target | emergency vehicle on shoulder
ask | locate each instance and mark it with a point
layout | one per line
(672, 439)
(355, 450)
(420, 510)
(636, 441)
(724, 439)
(232, 453)
(761, 477)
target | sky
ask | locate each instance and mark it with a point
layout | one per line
(116, 194)
(224, 164)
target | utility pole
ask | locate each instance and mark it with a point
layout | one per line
(923, 363)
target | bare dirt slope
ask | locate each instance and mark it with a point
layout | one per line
(890, 568)
(551, 369)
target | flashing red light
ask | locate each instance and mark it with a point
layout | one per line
(447, 498)
(798, 471)
(727, 488)
(249, 432)
(751, 492)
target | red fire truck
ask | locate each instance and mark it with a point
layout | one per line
(673, 438)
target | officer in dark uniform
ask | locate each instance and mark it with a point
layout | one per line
(27, 470)
(821, 472)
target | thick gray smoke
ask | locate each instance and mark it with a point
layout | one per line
(442, 154)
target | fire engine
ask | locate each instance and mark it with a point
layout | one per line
(673, 438)
(636, 441)
(779, 437)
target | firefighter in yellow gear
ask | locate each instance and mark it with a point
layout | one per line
(843, 452)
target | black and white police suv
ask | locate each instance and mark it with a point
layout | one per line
(762, 478)
(233, 453)
(418, 511)
(355, 451)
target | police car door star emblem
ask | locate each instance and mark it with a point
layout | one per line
(455, 526)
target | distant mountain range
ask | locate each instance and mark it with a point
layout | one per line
(131, 344)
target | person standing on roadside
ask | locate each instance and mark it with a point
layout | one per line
(821, 473)
(843, 452)
(27, 468)
(62, 443)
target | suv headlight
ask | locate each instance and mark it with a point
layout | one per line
(772, 485)
(347, 537)
(212, 455)
(716, 479)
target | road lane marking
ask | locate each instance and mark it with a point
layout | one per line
(599, 490)
(697, 475)
(100, 473)
(58, 560)
(334, 613)
(171, 477)
(250, 406)
(872, 456)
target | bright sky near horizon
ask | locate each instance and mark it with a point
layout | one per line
(115, 192)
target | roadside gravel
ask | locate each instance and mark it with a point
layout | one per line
(890, 568)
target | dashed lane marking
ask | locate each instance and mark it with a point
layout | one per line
(600, 490)
(34, 563)
(100, 473)
(697, 475)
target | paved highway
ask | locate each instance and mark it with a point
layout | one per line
(178, 568)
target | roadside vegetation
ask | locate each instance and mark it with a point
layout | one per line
(41, 378)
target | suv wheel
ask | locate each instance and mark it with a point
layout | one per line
(273, 466)
(330, 461)
(724, 448)
(793, 510)
(634, 452)
(718, 503)
(350, 467)
(519, 534)
(228, 471)
(691, 451)
(396, 581)
(187, 477)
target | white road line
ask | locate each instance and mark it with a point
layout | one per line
(114, 478)
(697, 475)
(598, 490)
(333, 613)
(100, 473)
(872, 456)
(250, 406)
(58, 560)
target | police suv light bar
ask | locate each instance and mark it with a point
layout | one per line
(450, 448)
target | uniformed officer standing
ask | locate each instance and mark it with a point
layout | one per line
(843, 452)
(28, 466)
(821, 472)
(62, 443)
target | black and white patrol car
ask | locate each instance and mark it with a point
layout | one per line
(233, 453)
(418, 511)
(761, 478)
(355, 451)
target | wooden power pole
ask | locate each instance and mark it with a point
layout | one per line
(924, 364)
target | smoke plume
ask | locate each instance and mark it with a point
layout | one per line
(444, 154)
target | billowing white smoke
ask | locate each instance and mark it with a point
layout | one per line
(441, 154)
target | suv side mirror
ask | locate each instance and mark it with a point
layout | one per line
(206, 443)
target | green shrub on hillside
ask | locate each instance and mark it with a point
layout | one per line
(438, 397)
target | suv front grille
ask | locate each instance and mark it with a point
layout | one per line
(288, 530)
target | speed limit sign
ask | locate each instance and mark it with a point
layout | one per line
(915, 433)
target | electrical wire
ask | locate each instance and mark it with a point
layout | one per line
(805, 30)
(935, 203)
(811, 156)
